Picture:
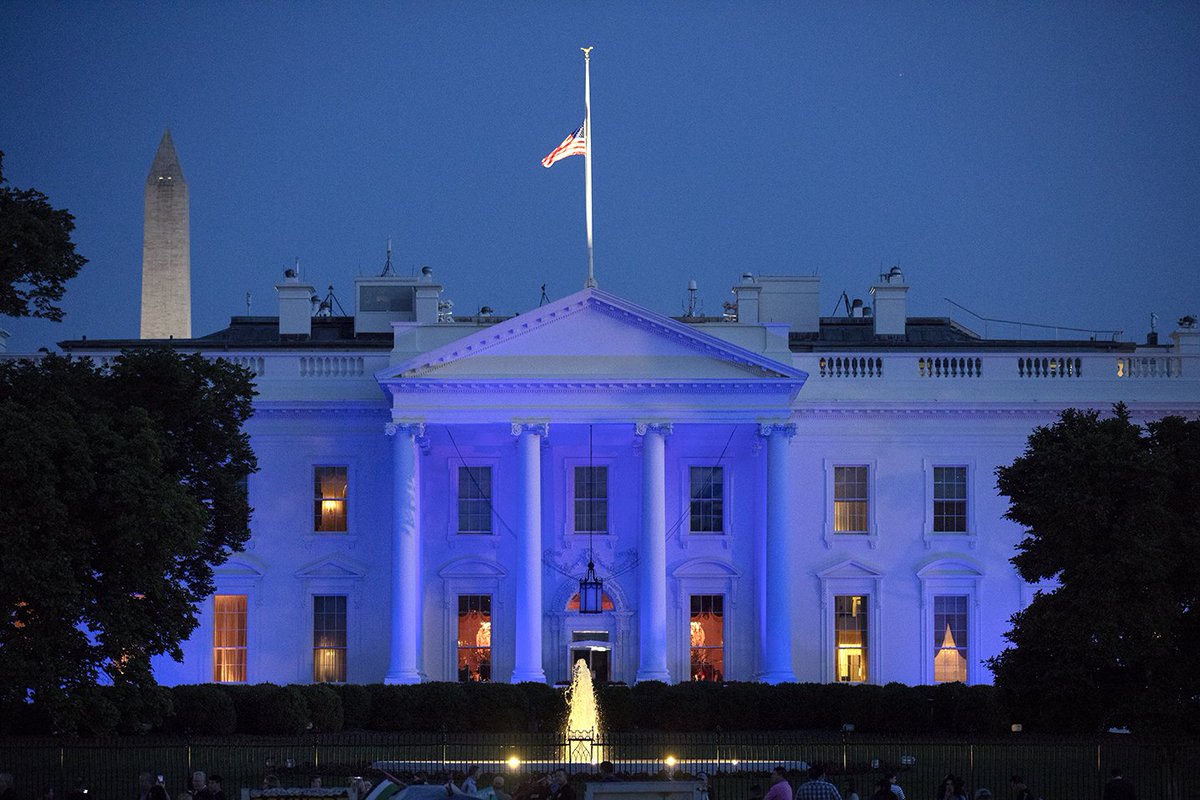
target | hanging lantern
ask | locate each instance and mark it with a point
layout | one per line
(591, 592)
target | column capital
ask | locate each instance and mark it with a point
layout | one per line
(540, 428)
(784, 430)
(414, 429)
(661, 428)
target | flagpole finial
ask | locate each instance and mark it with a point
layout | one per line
(587, 53)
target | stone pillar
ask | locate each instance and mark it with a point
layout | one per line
(527, 664)
(406, 555)
(652, 556)
(777, 656)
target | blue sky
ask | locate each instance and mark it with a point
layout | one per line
(1031, 161)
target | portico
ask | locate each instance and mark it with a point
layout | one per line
(519, 405)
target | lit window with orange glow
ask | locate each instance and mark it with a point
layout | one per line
(949, 638)
(474, 637)
(229, 638)
(706, 631)
(850, 632)
(329, 639)
(329, 503)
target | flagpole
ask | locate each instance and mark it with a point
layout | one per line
(587, 158)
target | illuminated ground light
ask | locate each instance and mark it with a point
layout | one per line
(671, 761)
(513, 763)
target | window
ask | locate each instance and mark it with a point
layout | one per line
(707, 493)
(707, 633)
(474, 637)
(850, 499)
(949, 499)
(329, 638)
(329, 503)
(591, 499)
(949, 638)
(850, 631)
(474, 499)
(229, 638)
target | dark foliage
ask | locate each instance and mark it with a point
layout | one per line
(1112, 514)
(130, 485)
(37, 256)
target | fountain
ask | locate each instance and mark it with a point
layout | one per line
(583, 718)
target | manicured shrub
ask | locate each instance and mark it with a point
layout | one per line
(393, 708)
(324, 707)
(282, 710)
(905, 709)
(684, 706)
(441, 705)
(356, 706)
(143, 709)
(736, 706)
(547, 706)
(204, 710)
(495, 707)
(617, 709)
(786, 706)
(645, 703)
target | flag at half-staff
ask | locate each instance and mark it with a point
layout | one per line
(574, 145)
(579, 143)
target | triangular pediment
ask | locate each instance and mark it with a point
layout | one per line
(592, 337)
(470, 567)
(331, 567)
(850, 569)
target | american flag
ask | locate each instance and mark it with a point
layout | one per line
(573, 145)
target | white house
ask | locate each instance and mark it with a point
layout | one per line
(770, 496)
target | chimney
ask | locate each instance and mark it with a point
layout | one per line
(295, 306)
(891, 312)
(1186, 338)
(426, 296)
(746, 294)
(792, 299)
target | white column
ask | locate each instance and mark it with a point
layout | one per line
(777, 655)
(406, 555)
(652, 556)
(527, 664)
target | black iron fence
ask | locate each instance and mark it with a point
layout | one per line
(738, 763)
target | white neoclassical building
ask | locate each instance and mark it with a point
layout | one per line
(772, 495)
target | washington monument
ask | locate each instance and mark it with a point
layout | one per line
(166, 251)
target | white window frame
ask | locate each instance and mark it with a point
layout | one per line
(312, 616)
(241, 574)
(851, 577)
(471, 575)
(952, 575)
(685, 505)
(453, 535)
(348, 536)
(569, 465)
(871, 535)
(333, 574)
(968, 537)
(706, 576)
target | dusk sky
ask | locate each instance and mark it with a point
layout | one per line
(1030, 161)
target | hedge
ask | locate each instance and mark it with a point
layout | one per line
(222, 709)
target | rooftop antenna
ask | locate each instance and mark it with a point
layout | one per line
(691, 301)
(543, 299)
(387, 265)
(325, 309)
(297, 267)
(247, 304)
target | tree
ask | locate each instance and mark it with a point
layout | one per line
(1112, 513)
(123, 487)
(37, 256)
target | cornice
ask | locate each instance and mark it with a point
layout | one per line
(997, 410)
(755, 386)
